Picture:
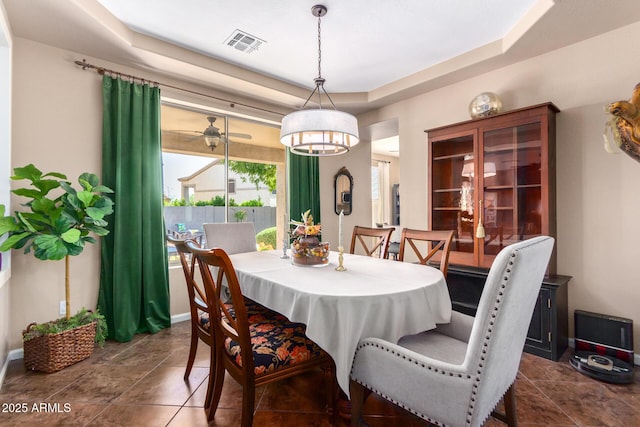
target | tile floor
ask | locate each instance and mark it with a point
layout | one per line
(140, 384)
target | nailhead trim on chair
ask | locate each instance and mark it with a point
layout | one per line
(416, 362)
(476, 385)
(496, 307)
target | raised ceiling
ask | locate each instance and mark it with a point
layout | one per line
(363, 41)
(374, 52)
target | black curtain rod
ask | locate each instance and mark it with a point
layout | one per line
(101, 70)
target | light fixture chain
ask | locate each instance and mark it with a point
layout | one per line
(319, 49)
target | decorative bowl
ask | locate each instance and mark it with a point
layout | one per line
(484, 105)
(309, 251)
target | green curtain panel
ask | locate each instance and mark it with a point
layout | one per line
(134, 280)
(304, 186)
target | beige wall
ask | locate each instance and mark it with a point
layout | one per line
(5, 172)
(597, 196)
(57, 121)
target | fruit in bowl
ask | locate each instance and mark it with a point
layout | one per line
(310, 251)
(306, 249)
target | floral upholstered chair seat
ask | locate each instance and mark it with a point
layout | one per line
(275, 344)
(256, 312)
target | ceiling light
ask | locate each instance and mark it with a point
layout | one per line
(212, 134)
(319, 132)
(468, 168)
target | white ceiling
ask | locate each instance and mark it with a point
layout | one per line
(363, 41)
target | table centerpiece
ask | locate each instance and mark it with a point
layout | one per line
(306, 248)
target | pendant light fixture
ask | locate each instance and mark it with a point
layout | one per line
(319, 131)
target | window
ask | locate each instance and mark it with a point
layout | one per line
(231, 186)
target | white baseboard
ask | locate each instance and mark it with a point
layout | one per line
(3, 372)
(12, 355)
(16, 354)
(176, 318)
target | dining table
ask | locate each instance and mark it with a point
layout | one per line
(373, 297)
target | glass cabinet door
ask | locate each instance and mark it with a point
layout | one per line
(452, 194)
(499, 170)
(511, 190)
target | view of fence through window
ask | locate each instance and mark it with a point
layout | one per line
(205, 183)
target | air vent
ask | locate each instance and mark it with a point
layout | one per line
(243, 42)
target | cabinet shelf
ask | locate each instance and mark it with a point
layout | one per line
(510, 147)
(498, 187)
(447, 190)
(452, 156)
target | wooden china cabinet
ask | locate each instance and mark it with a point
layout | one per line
(499, 171)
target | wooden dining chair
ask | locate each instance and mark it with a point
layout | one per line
(200, 312)
(371, 239)
(438, 242)
(253, 348)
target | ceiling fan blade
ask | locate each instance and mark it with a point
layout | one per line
(184, 135)
(183, 131)
(240, 135)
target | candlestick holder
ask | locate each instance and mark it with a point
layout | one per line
(340, 267)
(285, 244)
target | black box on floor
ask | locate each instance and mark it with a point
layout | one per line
(603, 346)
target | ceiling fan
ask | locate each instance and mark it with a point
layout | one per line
(213, 136)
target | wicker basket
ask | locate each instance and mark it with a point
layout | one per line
(53, 352)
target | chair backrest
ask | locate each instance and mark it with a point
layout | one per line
(196, 292)
(503, 316)
(438, 242)
(233, 237)
(371, 239)
(231, 319)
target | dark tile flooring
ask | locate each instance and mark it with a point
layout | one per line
(140, 384)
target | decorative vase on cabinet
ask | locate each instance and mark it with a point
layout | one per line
(497, 172)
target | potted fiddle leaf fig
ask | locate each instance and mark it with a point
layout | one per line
(56, 223)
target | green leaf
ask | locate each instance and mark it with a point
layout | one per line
(71, 236)
(64, 224)
(12, 240)
(38, 220)
(105, 203)
(46, 185)
(95, 214)
(50, 247)
(67, 187)
(7, 224)
(86, 197)
(74, 206)
(88, 180)
(29, 172)
(2, 208)
(97, 230)
(102, 189)
(74, 249)
(56, 175)
(25, 221)
(26, 192)
(43, 205)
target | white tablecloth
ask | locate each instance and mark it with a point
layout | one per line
(373, 298)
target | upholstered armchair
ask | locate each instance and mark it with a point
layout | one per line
(456, 374)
